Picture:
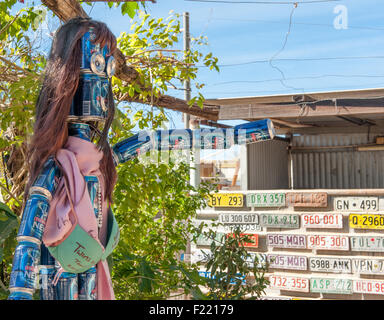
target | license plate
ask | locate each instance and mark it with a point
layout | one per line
(249, 228)
(368, 266)
(200, 255)
(292, 262)
(367, 243)
(274, 298)
(226, 200)
(202, 240)
(289, 283)
(366, 221)
(235, 280)
(368, 286)
(253, 239)
(346, 204)
(329, 264)
(308, 199)
(287, 241)
(239, 218)
(326, 285)
(259, 258)
(322, 220)
(331, 242)
(265, 200)
(280, 220)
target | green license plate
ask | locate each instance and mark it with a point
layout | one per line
(265, 200)
(279, 220)
(327, 285)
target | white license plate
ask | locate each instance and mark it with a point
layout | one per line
(329, 264)
(368, 286)
(296, 241)
(291, 262)
(322, 220)
(368, 266)
(356, 204)
(239, 218)
(249, 228)
(200, 255)
(328, 242)
(367, 243)
(289, 283)
(260, 258)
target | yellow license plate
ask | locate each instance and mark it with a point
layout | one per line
(226, 200)
(366, 221)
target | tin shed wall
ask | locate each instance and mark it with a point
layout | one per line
(268, 165)
(339, 167)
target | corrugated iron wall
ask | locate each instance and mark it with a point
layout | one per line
(268, 165)
(337, 168)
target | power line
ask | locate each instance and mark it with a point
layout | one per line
(296, 59)
(298, 78)
(298, 23)
(282, 81)
(264, 2)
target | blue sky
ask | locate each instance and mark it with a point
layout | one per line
(250, 34)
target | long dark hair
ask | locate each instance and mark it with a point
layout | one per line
(53, 104)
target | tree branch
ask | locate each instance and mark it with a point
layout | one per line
(67, 9)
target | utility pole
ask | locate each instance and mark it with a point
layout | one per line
(187, 83)
(190, 122)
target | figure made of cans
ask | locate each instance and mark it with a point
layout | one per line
(76, 103)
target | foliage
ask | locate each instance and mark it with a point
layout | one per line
(8, 225)
(233, 273)
(154, 205)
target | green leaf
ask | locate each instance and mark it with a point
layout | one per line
(129, 8)
(8, 222)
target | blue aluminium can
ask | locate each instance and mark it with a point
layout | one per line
(47, 289)
(34, 217)
(87, 284)
(67, 287)
(26, 260)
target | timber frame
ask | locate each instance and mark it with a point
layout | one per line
(354, 110)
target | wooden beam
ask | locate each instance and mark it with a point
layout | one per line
(260, 111)
(68, 9)
(290, 124)
(214, 124)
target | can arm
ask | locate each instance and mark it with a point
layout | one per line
(185, 139)
(26, 259)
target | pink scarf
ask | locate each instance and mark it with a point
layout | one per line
(79, 158)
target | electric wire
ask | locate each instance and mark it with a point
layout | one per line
(265, 2)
